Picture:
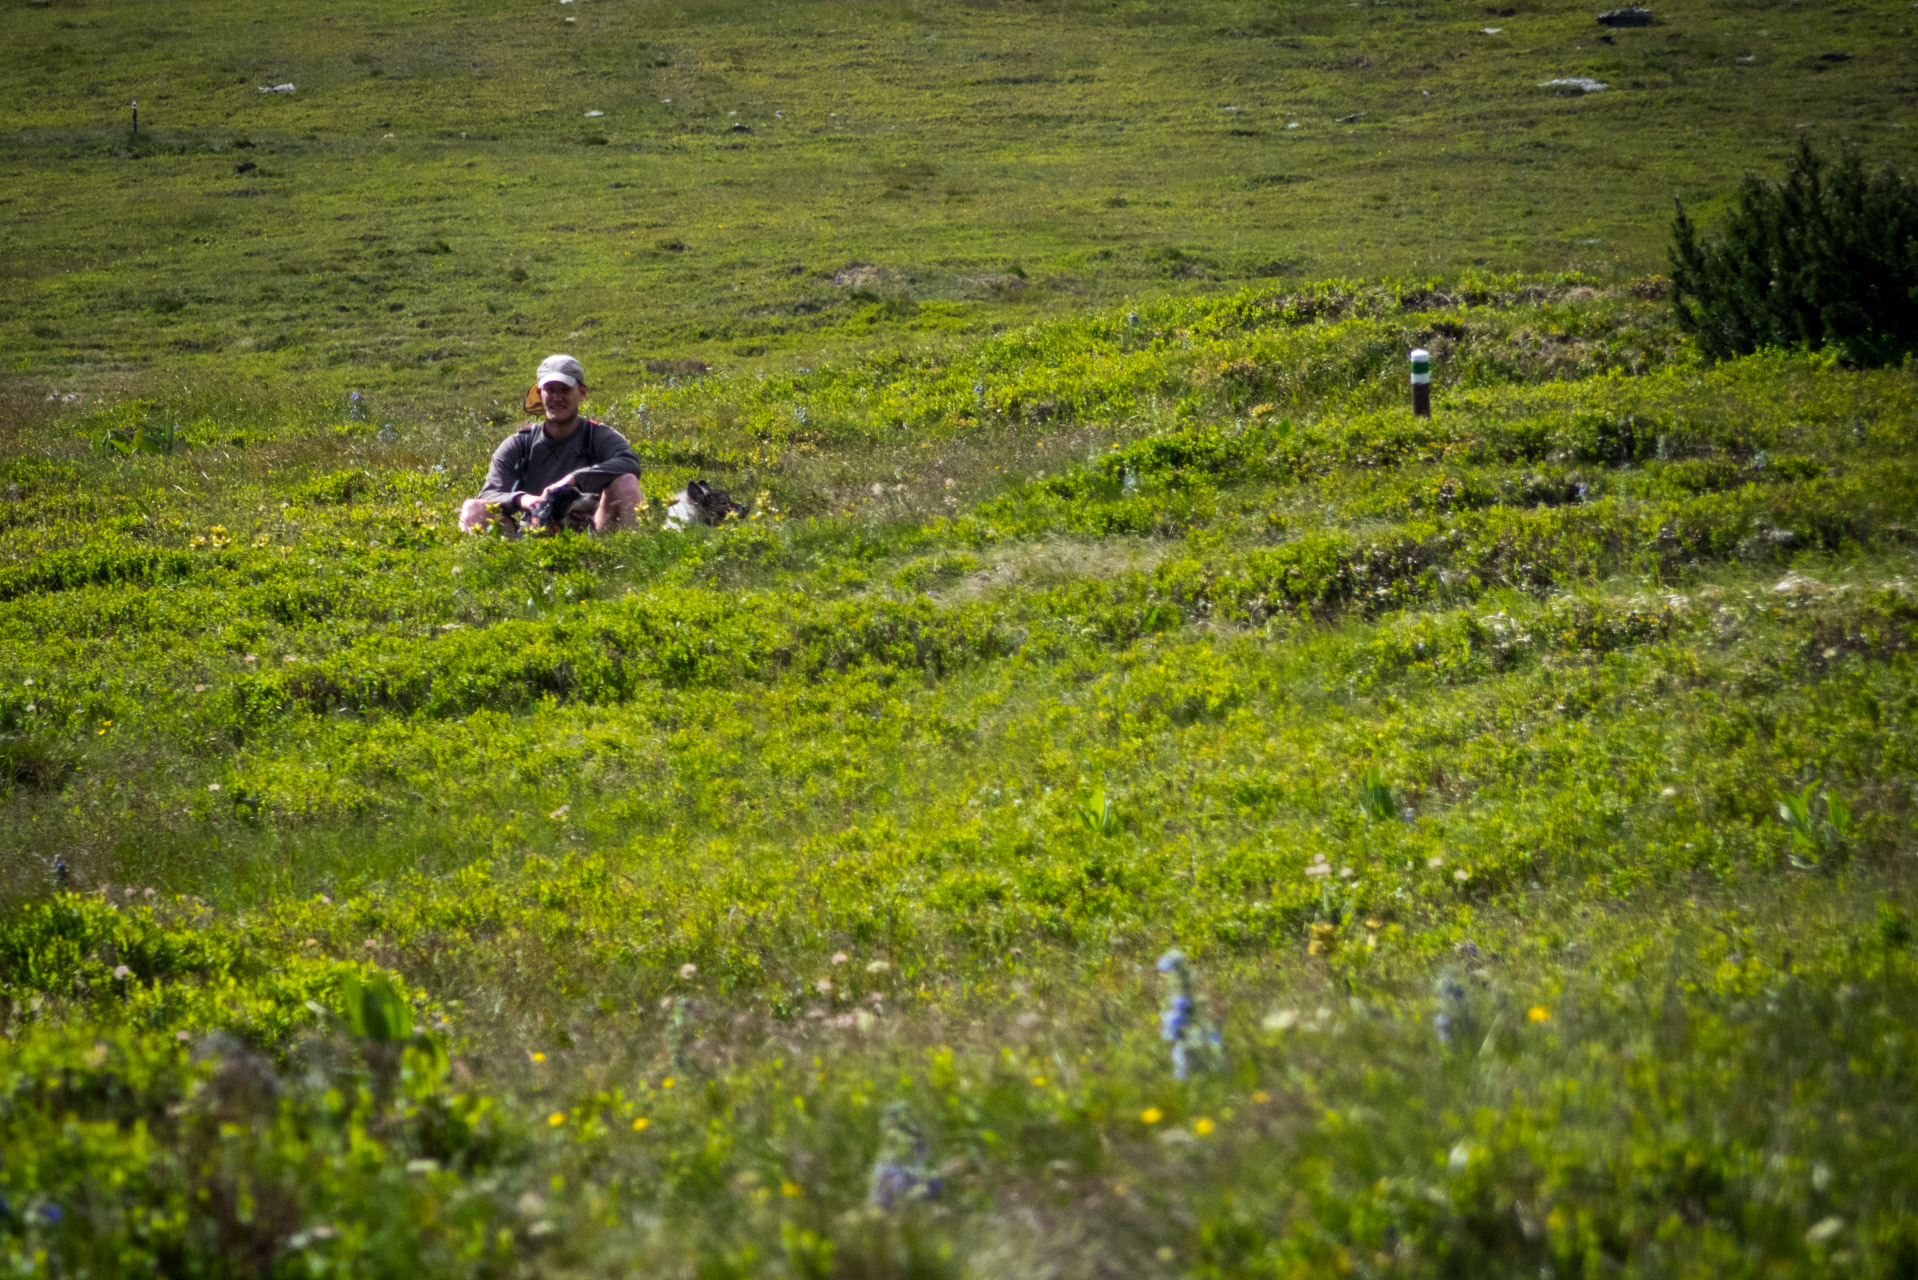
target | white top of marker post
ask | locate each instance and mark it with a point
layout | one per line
(1421, 367)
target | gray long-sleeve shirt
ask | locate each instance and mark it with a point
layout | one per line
(529, 460)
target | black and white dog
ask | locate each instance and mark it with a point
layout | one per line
(700, 503)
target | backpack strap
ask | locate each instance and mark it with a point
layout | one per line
(525, 457)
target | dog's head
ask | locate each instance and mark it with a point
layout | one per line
(715, 505)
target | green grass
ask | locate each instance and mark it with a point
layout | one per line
(1479, 724)
(1531, 786)
(920, 167)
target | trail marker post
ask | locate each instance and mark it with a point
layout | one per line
(136, 121)
(1421, 382)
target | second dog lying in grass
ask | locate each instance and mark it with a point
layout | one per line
(700, 503)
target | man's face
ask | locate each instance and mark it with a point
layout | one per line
(560, 399)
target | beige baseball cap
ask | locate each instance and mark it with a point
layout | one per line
(560, 369)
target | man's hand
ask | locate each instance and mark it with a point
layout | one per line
(526, 500)
(530, 500)
(550, 508)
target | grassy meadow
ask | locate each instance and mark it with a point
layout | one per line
(451, 186)
(1529, 790)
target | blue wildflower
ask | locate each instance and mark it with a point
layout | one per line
(1457, 1017)
(1176, 1018)
(900, 1173)
(1196, 1043)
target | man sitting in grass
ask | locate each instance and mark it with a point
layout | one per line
(566, 471)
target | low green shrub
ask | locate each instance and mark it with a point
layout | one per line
(1826, 257)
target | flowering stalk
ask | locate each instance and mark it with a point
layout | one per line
(1195, 1042)
(900, 1173)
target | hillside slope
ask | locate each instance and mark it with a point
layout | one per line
(451, 183)
(784, 898)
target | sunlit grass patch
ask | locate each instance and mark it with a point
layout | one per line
(784, 896)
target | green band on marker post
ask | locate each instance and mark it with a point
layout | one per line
(1421, 367)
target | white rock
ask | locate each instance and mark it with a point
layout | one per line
(277, 88)
(1584, 84)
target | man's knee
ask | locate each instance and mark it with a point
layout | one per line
(619, 504)
(472, 513)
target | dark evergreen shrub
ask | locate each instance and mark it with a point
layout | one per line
(1829, 256)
